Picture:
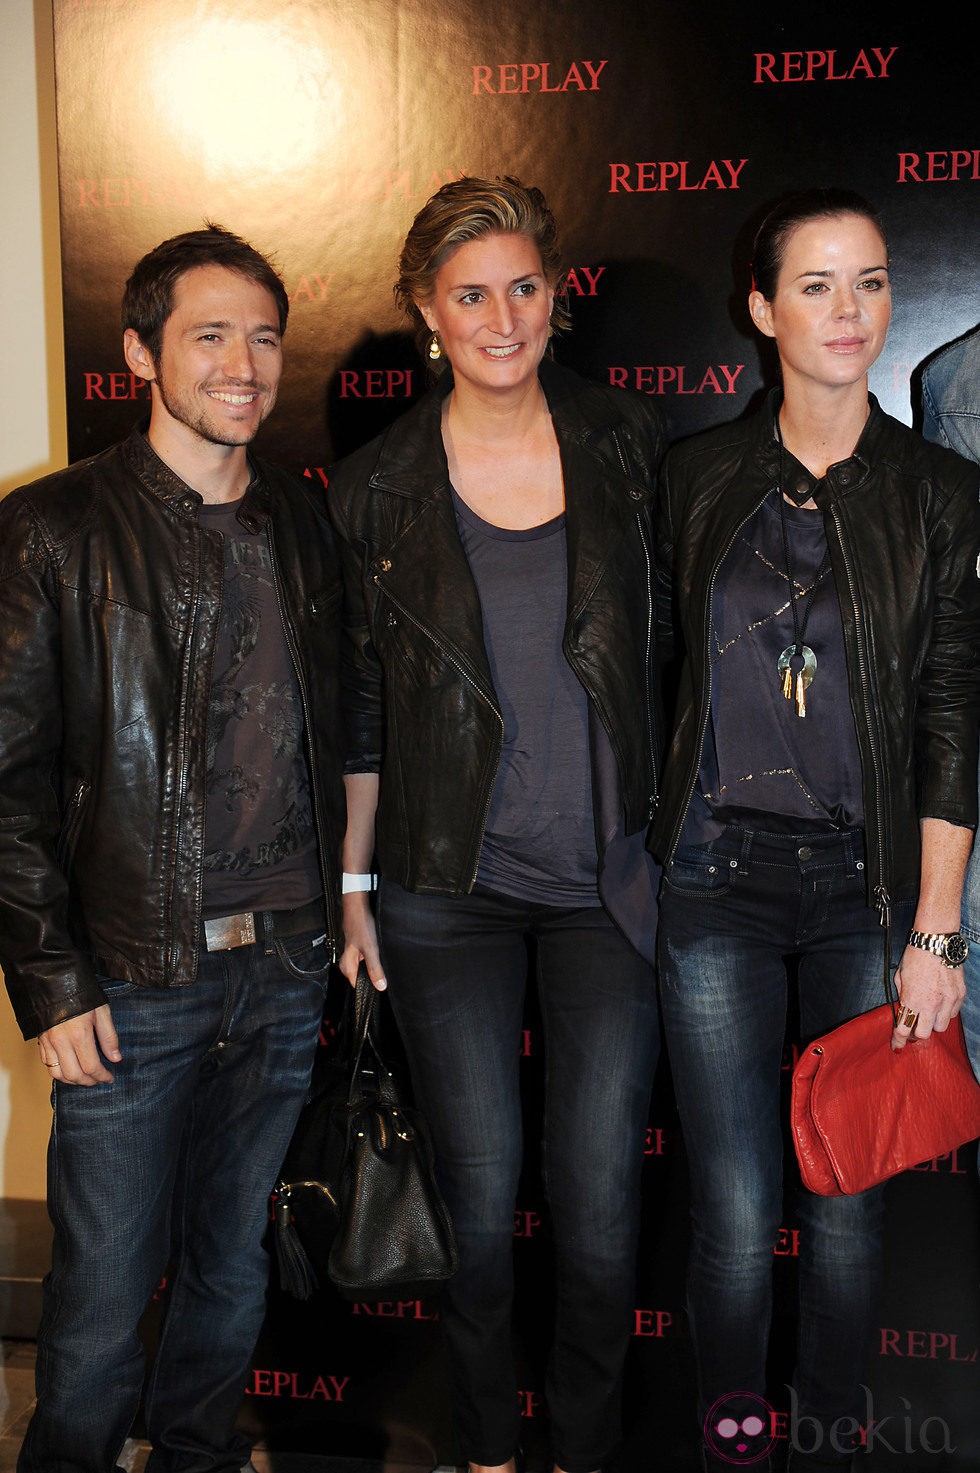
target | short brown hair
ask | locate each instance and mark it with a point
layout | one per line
(148, 299)
(471, 209)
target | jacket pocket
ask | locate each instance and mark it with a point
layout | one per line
(325, 601)
(70, 825)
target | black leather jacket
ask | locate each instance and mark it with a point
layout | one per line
(903, 528)
(109, 600)
(417, 682)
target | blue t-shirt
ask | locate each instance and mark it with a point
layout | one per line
(540, 842)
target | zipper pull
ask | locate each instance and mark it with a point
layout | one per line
(883, 904)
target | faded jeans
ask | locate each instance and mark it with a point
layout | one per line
(173, 1164)
(731, 912)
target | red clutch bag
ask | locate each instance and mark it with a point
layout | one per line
(862, 1112)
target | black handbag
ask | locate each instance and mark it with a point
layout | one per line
(357, 1202)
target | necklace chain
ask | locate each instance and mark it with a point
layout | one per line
(802, 675)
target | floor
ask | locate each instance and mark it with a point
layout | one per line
(17, 1400)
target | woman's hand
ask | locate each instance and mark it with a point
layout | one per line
(360, 932)
(931, 990)
(361, 941)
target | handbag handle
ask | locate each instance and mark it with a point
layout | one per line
(364, 995)
(364, 1043)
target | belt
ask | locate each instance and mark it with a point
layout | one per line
(222, 933)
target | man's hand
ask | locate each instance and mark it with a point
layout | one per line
(71, 1050)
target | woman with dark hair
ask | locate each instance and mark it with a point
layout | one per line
(503, 766)
(818, 801)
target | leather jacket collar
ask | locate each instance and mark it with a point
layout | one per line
(844, 476)
(157, 477)
(412, 460)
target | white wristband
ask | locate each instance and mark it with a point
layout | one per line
(350, 883)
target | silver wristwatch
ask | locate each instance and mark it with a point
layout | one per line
(951, 947)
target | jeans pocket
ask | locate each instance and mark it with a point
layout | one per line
(697, 874)
(306, 957)
(113, 987)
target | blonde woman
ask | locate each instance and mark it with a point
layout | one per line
(502, 772)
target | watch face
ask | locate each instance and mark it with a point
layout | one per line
(955, 950)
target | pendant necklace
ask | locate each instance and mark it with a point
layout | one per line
(801, 674)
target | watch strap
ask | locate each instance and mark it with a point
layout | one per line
(937, 942)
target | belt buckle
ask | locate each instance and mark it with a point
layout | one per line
(223, 933)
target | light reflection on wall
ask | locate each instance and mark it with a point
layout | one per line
(250, 97)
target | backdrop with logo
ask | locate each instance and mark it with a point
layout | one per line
(659, 132)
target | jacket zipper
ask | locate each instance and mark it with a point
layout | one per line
(651, 735)
(880, 890)
(173, 944)
(457, 665)
(591, 693)
(69, 826)
(651, 674)
(706, 682)
(318, 808)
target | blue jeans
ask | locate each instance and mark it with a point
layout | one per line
(731, 913)
(173, 1164)
(457, 971)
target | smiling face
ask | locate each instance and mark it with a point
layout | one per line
(491, 306)
(216, 376)
(829, 313)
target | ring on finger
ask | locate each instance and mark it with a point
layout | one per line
(908, 1019)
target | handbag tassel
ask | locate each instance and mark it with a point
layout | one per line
(295, 1270)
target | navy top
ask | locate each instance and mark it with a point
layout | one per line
(763, 767)
(539, 842)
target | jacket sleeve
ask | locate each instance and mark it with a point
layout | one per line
(948, 705)
(932, 427)
(360, 669)
(48, 977)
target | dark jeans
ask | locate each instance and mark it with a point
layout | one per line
(456, 971)
(172, 1162)
(731, 913)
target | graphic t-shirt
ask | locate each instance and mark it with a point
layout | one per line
(762, 766)
(260, 846)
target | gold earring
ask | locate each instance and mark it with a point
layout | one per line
(435, 348)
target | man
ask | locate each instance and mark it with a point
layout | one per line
(170, 826)
(951, 417)
(951, 396)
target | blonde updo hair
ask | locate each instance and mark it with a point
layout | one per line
(470, 209)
